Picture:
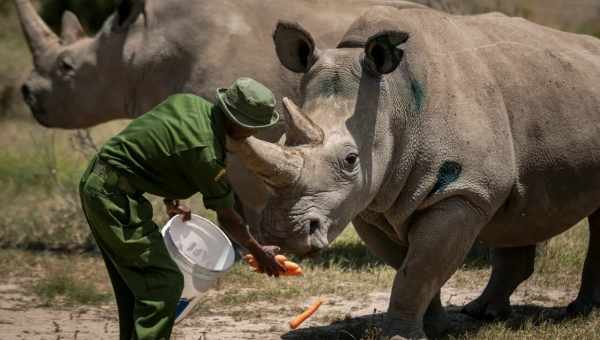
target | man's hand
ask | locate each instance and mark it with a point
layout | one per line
(236, 228)
(265, 256)
(174, 207)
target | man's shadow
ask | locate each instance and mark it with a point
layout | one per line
(370, 326)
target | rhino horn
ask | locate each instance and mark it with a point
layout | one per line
(301, 129)
(276, 165)
(39, 36)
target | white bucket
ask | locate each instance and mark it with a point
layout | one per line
(201, 251)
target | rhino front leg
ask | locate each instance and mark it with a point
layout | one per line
(435, 321)
(589, 292)
(439, 240)
(510, 267)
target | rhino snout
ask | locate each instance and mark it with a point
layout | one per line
(33, 103)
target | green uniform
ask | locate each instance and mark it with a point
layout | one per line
(173, 151)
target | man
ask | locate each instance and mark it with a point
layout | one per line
(173, 151)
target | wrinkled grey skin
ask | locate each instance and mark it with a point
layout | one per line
(150, 49)
(474, 126)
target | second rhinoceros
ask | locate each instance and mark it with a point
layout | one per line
(429, 130)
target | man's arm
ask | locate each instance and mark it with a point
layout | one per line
(235, 226)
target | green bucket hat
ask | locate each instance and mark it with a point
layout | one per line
(248, 103)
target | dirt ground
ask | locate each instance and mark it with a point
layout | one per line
(20, 318)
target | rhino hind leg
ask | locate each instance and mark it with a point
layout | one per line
(510, 267)
(589, 292)
(435, 321)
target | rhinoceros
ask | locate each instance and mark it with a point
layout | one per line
(149, 49)
(428, 131)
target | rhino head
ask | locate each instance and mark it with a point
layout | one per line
(74, 75)
(349, 137)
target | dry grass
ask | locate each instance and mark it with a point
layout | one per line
(57, 280)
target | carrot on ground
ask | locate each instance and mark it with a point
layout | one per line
(306, 314)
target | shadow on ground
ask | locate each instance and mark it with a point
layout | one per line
(347, 255)
(355, 256)
(369, 326)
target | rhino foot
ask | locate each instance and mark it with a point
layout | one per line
(581, 307)
(436, 324)
(482, 309)
(397, 329)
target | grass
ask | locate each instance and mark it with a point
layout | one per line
(57, 280)
(64, 287)
(580, 328)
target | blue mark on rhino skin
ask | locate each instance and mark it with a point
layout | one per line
(417, 93)
(449, 172)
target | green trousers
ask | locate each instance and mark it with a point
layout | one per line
(146, 281)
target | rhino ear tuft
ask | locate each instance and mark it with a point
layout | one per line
(71, 28)
(295, 47)
(382, 53)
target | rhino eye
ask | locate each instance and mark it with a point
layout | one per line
(65, 64)
(351, 159)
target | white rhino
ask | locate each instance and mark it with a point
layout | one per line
(150, 49)
(429, 130)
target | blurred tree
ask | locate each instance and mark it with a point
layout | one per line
(91, 13)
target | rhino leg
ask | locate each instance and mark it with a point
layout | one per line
(589, 292)
(439, 239)
(510, 267)
(435, 321)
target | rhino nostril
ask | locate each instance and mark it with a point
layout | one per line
(313, 226)
(25, 91)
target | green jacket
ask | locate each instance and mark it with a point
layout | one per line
(175, 150)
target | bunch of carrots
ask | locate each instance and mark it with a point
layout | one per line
(291, 268)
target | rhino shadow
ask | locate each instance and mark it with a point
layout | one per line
(370, 326)
(347, 256)
(356, 256)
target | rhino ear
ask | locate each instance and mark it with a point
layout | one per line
(382, 53)
(295, 47)
(71, 29)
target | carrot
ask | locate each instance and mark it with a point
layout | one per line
(297, 272)
(294, 323)
(291, 268)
